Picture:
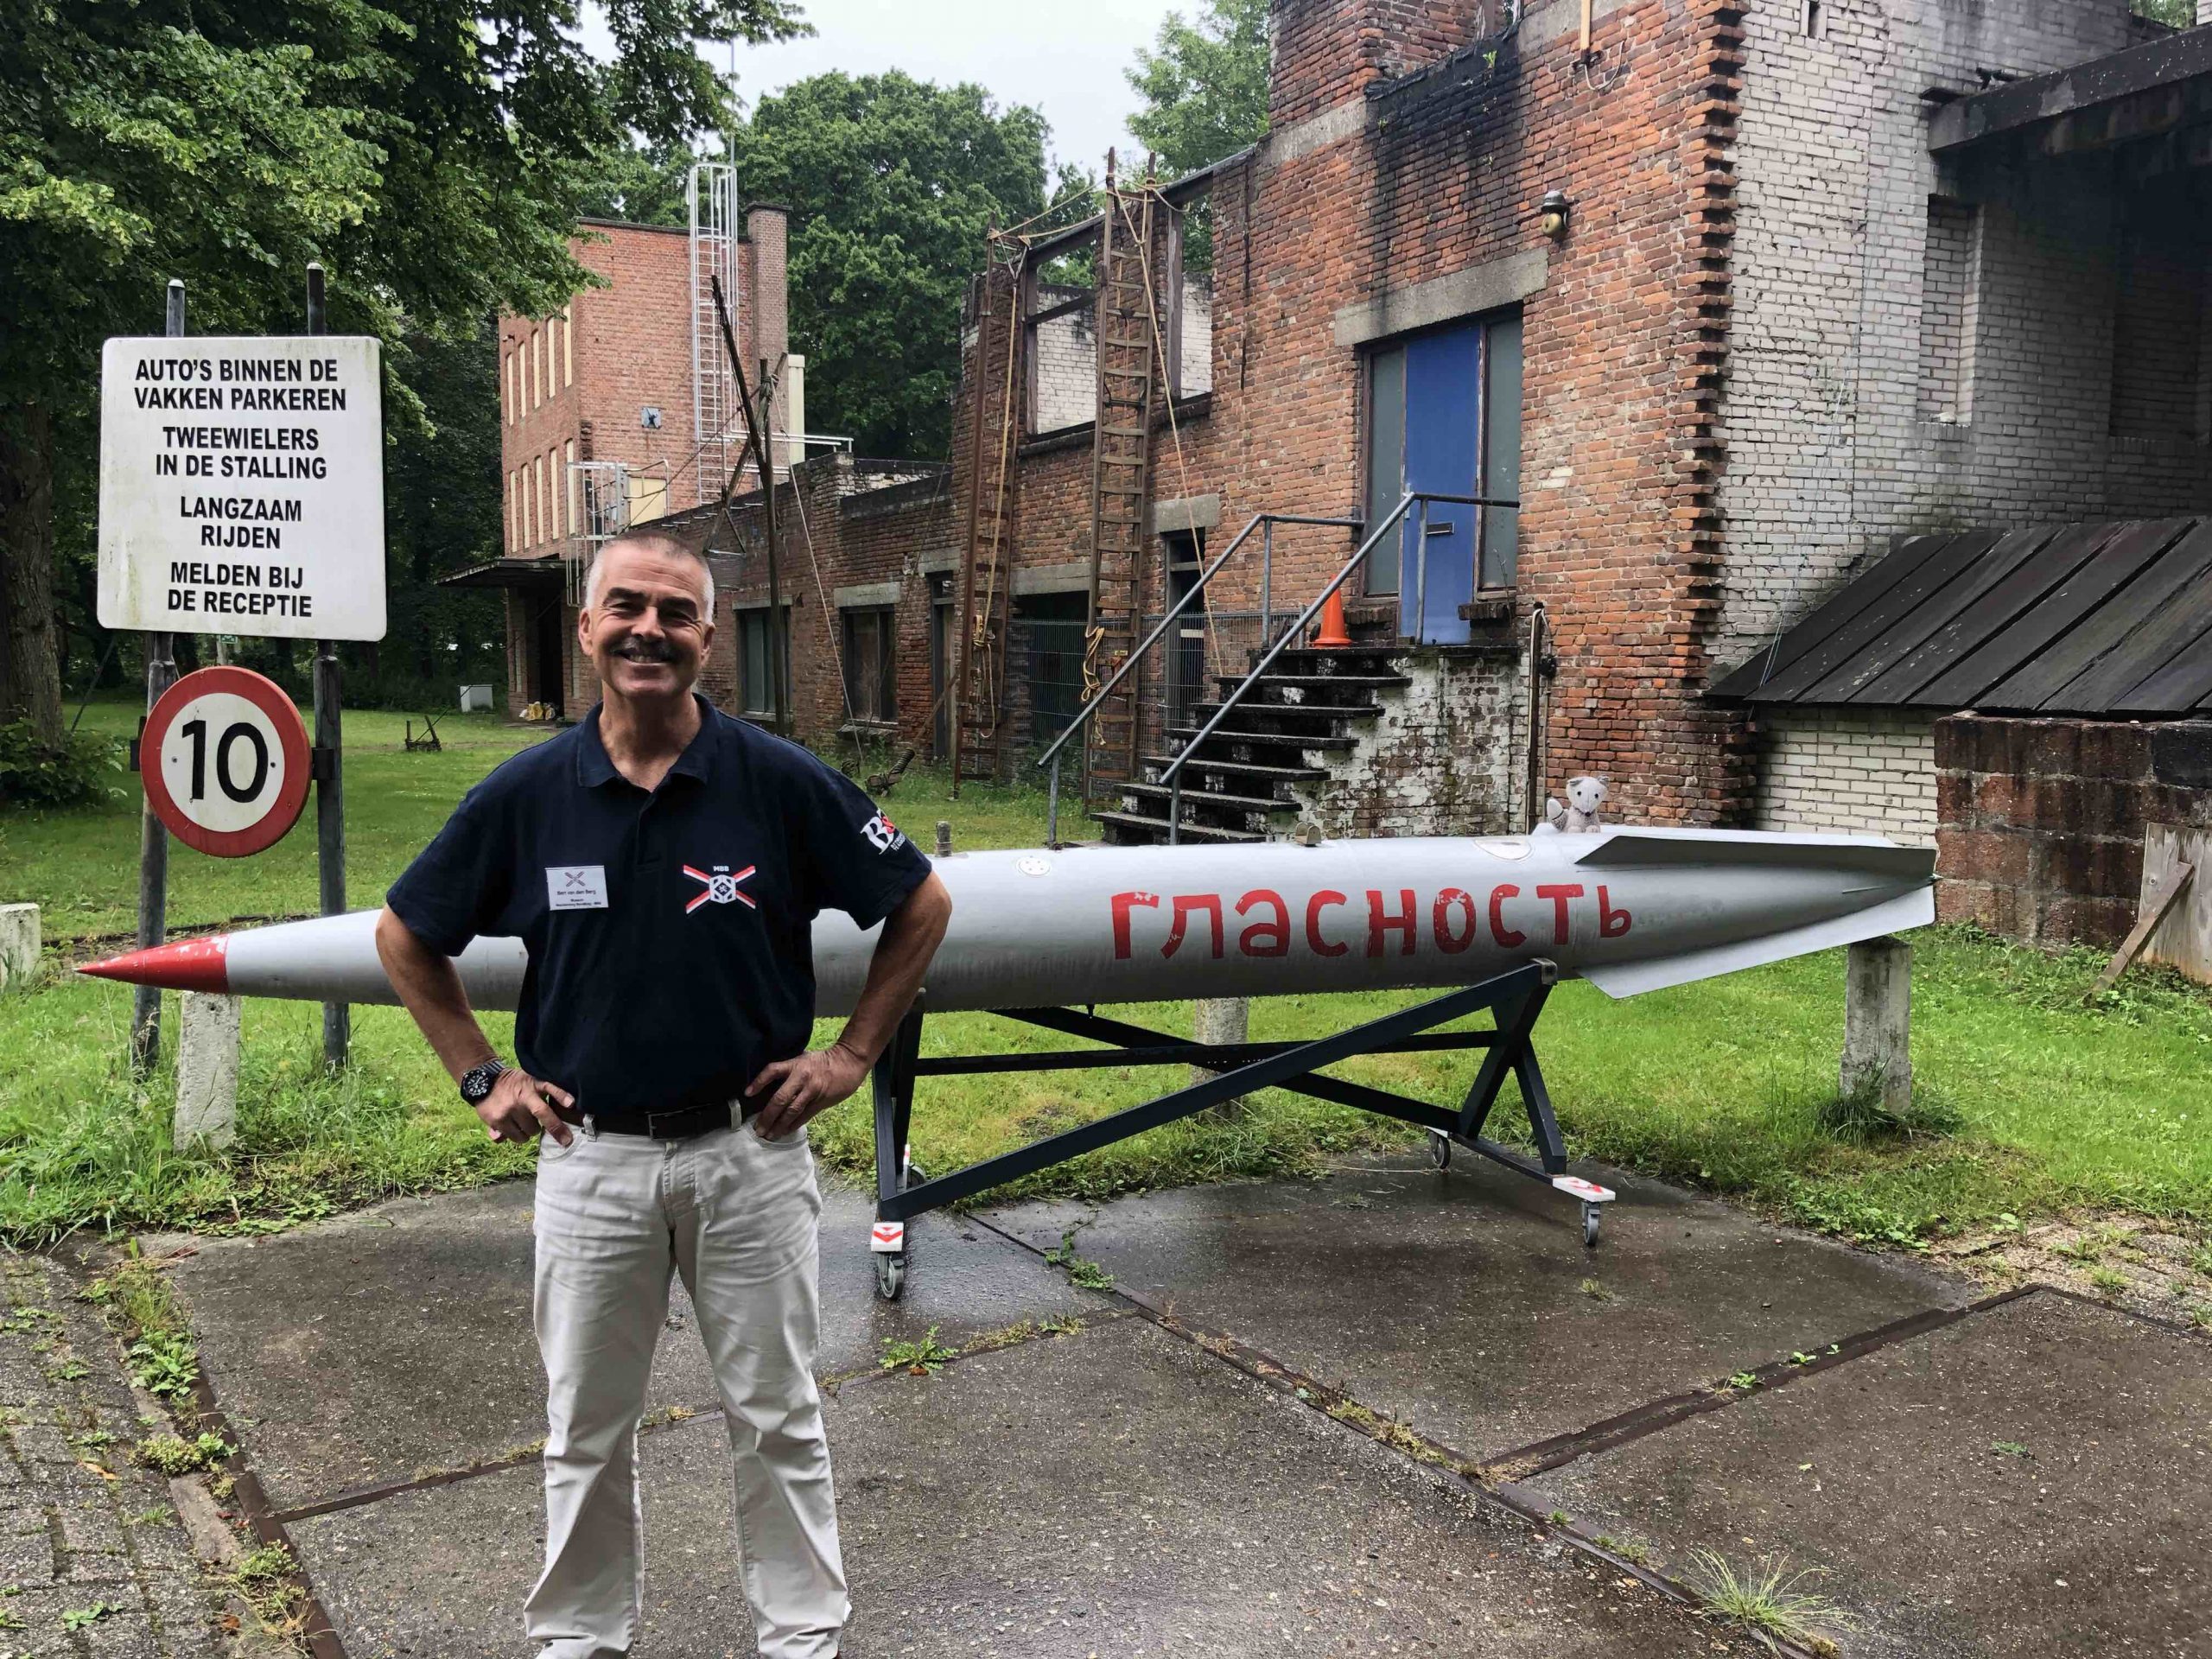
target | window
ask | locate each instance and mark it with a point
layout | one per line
(536, 367)
(1063, 346)
(1444, 418)
(870, 691)
(529, 508)
(757, 695)
(573, 489)
(513, 523)
(1190, 319)
(569, 345)
(552, 493)
(512, 381)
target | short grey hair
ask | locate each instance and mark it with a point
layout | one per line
(660, 540)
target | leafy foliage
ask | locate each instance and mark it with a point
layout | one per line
(429, 154)
(891, 183)
(1204, 86)
(36, 772)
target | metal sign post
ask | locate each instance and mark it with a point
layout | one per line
(329, 772)
(153, 838)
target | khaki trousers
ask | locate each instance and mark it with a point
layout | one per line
(735, 1215)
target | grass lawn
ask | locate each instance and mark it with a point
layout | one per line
(1718, 1085)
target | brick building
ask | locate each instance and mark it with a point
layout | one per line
(600, 427)
(1728, 301)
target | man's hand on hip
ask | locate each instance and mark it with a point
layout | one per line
(794, 1091)
(520, 1107)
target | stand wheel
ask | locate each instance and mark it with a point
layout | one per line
(915, 1175)
(890, 1275)
(1439, 1149)
(1591, 1214)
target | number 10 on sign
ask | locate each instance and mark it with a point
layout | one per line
(226, 761)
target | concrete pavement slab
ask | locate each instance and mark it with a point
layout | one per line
(1108, 1493)
(2034, 1479)
(1464, 1303)
(386, 1344)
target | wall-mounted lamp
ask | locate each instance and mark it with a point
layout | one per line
(1553, 212)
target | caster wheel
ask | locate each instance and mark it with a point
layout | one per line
(1439, 1149)
(915, 1176)
(1591, 1214)
(890, 1276)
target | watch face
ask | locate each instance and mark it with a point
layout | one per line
(476, 1083)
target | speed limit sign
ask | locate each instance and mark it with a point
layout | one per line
(224, 760)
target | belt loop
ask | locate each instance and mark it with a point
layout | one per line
(591, 1126)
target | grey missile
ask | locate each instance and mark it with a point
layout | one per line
(1629, 909)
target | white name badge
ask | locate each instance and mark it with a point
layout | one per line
(577, 886)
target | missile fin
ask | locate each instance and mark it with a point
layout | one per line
(1907, 910)
(188, 965)
(1685, 847)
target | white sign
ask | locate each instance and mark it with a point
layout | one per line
(242, 487)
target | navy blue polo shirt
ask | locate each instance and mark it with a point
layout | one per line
(668, 933)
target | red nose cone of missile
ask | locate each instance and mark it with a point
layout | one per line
(188, 965)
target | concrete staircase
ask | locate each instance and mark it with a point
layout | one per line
(1281, 734)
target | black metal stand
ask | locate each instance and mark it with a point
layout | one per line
(1516, 999)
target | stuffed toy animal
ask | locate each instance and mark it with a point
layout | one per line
(1584, 797)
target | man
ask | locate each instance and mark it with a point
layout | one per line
(662, 863)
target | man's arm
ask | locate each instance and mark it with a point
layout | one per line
(811, 1083)
(518, 1105)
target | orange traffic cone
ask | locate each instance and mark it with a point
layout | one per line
(1334, 632)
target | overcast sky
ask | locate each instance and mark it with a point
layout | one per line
(1065, 60)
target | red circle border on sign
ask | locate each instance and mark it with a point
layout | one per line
(291, 737)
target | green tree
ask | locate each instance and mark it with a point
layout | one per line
(1204, 86)
(642, 184)
(2176, 13)
(429, 154)
(892, 182)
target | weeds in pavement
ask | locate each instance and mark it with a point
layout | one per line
(1767, 1600)
(172, 1455)
(923, 1358)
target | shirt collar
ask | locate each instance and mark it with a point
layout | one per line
(594, 768)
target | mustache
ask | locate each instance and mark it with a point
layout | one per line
(645, 651)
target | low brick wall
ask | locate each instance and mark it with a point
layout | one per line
(2042, 821)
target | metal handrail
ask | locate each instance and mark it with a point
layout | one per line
(1270, 520)
(1173, 775)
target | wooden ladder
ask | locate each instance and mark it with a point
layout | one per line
(986, 570)
(1121, 477)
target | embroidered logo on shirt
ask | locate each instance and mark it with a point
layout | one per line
(720, 883)
(882, 834)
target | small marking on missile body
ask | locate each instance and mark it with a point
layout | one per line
(1505, 848)
(1032, 865)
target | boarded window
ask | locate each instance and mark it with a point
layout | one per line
(1063, 354)
(870, 691)
(1191, 315)
(757, 694)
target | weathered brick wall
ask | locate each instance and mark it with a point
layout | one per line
(1876, 295)
(1847, 772)
(1371, 193)
(2042, 821)
(1444, 757)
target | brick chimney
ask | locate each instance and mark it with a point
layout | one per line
(767, 291)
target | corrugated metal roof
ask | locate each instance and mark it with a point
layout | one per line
(2098, 619)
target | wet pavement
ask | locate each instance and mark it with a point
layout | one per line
(1392, 1411)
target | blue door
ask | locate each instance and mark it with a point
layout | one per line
(1444, 417)
(1443, 421)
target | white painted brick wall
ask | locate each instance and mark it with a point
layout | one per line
(1444, 757)
(1847, 771)
(1834, 447)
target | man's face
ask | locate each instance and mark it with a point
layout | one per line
(648, 631)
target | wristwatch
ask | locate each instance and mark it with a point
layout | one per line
(477, 1083)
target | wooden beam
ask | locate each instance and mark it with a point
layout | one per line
(2154, 911)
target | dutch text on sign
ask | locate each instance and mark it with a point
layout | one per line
(242, 487)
